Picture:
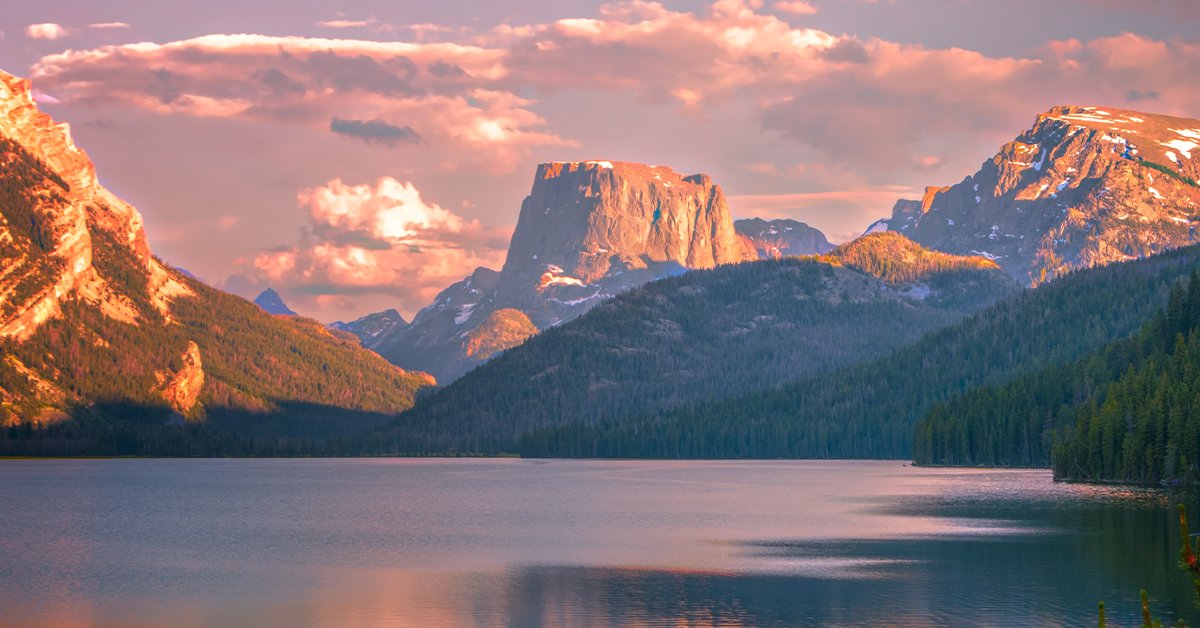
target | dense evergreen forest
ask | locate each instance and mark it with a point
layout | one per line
(869, 411)
(706, 335)
(1129, 412)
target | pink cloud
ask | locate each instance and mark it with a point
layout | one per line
(46, 30)
(381, 239)
(445, 92)
(871, 103)
(799, 7)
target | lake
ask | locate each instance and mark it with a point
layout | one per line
(495, 542)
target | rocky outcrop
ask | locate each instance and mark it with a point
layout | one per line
(782, 238)
(63, 197)
(587, 231)
(182, 389)
(272, 303)
(1083, 186)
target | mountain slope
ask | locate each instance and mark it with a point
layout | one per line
(1084, 186)
(93, 327)
(704, 335)
(587, 231)
(868, 411)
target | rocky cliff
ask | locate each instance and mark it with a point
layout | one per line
(1083, 186)
(56, 210)
(587, 231)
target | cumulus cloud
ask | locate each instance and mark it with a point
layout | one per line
(380, 238)
(375, 132)
(46, 30)
(108, 26)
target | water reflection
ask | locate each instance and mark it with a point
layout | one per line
(514, 543)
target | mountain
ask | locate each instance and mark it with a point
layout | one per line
(587, 231)
(704, 335)
(869, 410)
(782, 238)
(372, 327)
(94, 328)
(272, 303)
(1083, 186)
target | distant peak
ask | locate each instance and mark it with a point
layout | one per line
(272, 303)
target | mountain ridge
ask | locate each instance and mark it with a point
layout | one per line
(1083, 186)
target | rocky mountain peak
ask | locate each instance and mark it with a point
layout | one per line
(587, 231)
(1083, 186)
(590, 218)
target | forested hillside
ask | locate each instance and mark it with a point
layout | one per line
(869, 411)
(706, 335)
(1129, 412)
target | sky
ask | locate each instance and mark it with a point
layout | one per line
(363, 155)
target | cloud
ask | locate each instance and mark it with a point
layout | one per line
(52, 31)
(375, 132)
(451, 91)
(870, 103)
(46, 30)
(380, 238)
(796, 6)
(343, 23)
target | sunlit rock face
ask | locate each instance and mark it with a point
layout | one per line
(69, 210)
(588, 230)
(1083, 186)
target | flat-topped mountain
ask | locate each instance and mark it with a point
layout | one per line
(94, 328)
(1083, 186)
(588, 230)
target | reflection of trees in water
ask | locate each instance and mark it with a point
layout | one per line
(1054, 575)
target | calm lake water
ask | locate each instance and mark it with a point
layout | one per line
(612, 543)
